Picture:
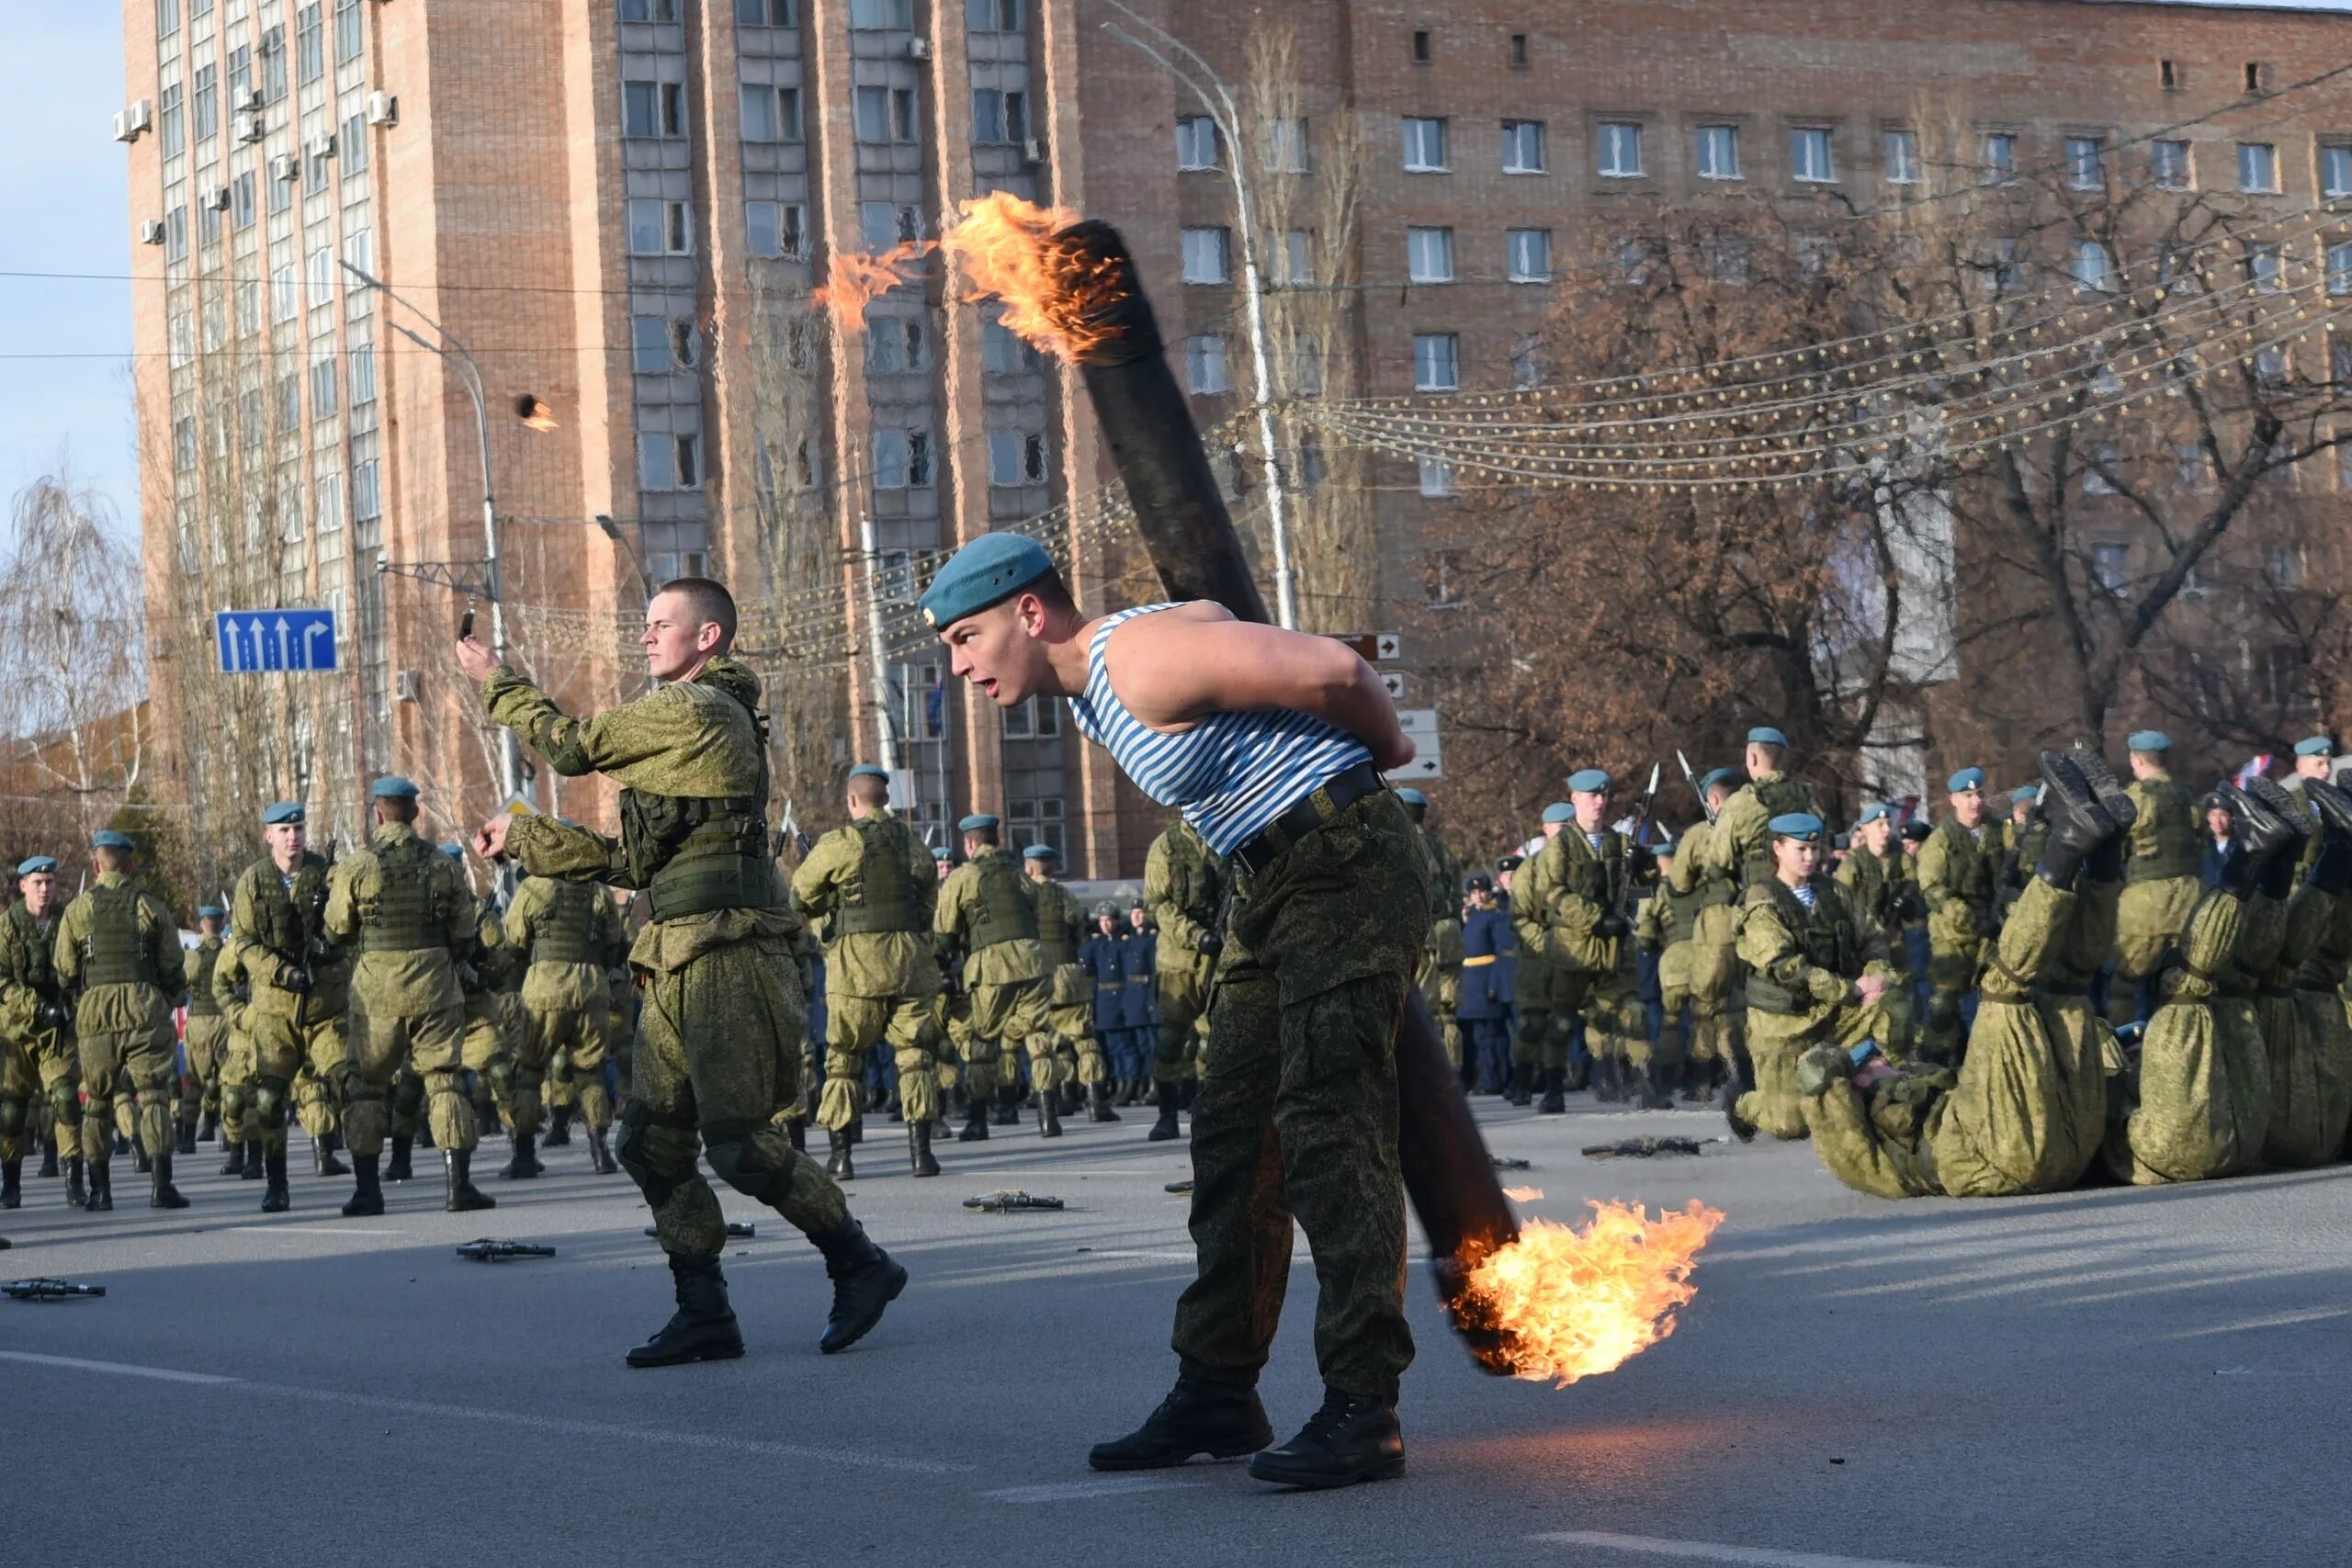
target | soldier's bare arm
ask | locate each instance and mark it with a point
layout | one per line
(1174, 668)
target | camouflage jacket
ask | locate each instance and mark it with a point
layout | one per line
(28, 977)
(1184, 887)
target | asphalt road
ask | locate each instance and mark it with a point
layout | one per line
(2137, 1378)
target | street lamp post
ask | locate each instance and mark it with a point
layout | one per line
(633, 554)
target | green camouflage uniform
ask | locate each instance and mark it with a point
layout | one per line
(1665, 925)
(2161, 856)
(986, 912)
(1715, 860)
(239, 1066)
(872, 887)
(487, 976)
(404, 907)
(1297, 1108)
(1184, 887)
(1440, 976)
(1557, 899)
(723, 1020)
(1881, 889)
(1538, 1041)
(1959, 879)
(569, 937)
(2327, 1028)
(282, 921)
(207, 1037)
(118, 948)
(1802, 964)
(2306, 1069)
(38, 1055)
(1070, 998)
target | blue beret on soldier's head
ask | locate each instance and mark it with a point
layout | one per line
(2315, 746)
(210, 912)
(2025, 793)
(1588, 781)
(988, 570)
(1765, 735)
(37, 865)
(283, 813)
(1041, 852)
(2148, 741)
(1796, 825)
(978, 822)
(941, 851)
(1876, 811)
(1559, 811)
(1966, 779)
(1717, 776)
(107, 838)
(868, 771)
(392, 787)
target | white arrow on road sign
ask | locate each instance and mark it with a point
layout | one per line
(1395, 681)
(279, 639)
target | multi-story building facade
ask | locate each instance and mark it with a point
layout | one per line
(620, 208)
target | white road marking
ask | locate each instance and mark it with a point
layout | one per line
(116, 1368)
(1073, 1490)
(314, 1230)
(1710, 1551)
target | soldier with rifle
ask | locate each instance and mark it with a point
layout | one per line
(299, 987)
(36, 1035)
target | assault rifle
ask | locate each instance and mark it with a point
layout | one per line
(48, 1290)
(485, 1250)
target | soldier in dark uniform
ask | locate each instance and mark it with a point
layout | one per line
(1101, 959)
(1484, 1011)
(1505, 988)
(1140, 1007)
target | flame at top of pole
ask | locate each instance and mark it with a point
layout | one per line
(1054, 288)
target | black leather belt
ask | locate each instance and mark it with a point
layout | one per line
(1306, 813)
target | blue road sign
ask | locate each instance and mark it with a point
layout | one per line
(253, 641)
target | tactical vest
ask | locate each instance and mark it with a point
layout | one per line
(1054, 910)
(1596, 875)
(1006, 914)
(2165, 841)
(112, 954)
(696, 856)
(201, 1003)
(289, 918)
(888, 898)
(563, 937)
(406, 915)
(1825, 935)
(1978, 873)
(1681, 913)
(40, 971)
(1779, 796)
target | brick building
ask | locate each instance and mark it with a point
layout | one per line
(619, 207)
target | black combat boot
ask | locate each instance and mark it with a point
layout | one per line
(1008, 1106)
(837, 1164)
(323, 1156)
(1165, 1128)
(1606, 1086)
(1349, 1439)
(74, 1195)
(918, 1149)
(703, 1328)
(600, 1153)
(865, 1280)
(367, 1191)
(188, 1138)
(558, 1134)
(1073, 1098)
(2262, 835)
(1515, 1092)
(164, 1195)
(976, 1121)
(1554, 1100)
(141, 1162)
(460, 1195)
(398, 1168)
(275, 1198)
(12, 1183)
(121, 1145)
(1049, 1113)
(101, 1200)
(1657, 1093)
(522, 1165)
(2078, 824)
(47, 1171)
(255, 1169)
(233, 1161)
(210, 1130)
(795, 1133)
(1739, 1077)
(1098, 1105)
(1221, 1420)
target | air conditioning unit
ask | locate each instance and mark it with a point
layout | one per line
(404, 685)
(247, 102)
(140, 116)
(1032, 150)
(918, 48)
(252, 127)
(213, 197)
(383, 109)
(320, 146)
(151, 231)
(283, 168)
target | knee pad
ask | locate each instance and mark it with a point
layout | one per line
(408, 1095)
(559, 1068)
(269, 1103)
(12, 1118)
(629, 1153)
(500, 1078)
(741, 1160)
(64, 1104)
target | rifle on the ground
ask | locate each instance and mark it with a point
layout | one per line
(485, 1250)
(48, 1290)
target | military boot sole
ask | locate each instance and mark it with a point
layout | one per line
(2077, 818)
(2106, 787)
(1283, 1470)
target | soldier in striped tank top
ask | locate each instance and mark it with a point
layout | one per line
(1269, 743)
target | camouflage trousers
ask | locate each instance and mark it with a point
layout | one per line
(2308, 1067)
(1951, 975)
(438, 1047)
(853, 1026)
(1540, 1033)
(236, 1084)
(1182, 987)
(2148, 920)
(1297, 1107)
(718, 1049)
(19, 1083)
(133, 1064)
(2196, 1104)
(555, 1044)
(206, 1044)
(1069, 1019)
(1006, 1019)
(293, 1071)
(1615, 1026)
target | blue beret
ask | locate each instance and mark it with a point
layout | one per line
(2024, 792)
(36, 866)
(1412, 797)
(282, 813)
(1876, 811)
(392, 787)
(1719, 775)
(1796, 825)
(979, 822)
(941, 851)
(210, 912)
(868, 771)
(107, 838)
(1765, 735)
(1559, 811)
(1967, 778)
(2149, 741)
(988, 570)
(454, 850)
(2315, 746)
(1041, 852)
(1588, 781)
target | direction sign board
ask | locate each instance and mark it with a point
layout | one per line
(1428, 757)
(1417, 722)
(1395, 681)
(256, 641)
(1375, 647)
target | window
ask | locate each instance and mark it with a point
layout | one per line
(366, 497)
(321, 289)
(1000, 117)
(2258, 168)
(1039, 820)
(2094, 269)
(992, 16)
(1621, 151)
(763, 13)
(2285, 567)
(896, 344)
(2336, 171)
(656, 344)
(688, 450)
(363, 375)
(1292, 256)
(2344, 460)
(183, 339)
(1522, 147)
(2110, 567)
(901, 459)
(1002, 353)
(1421, 46)
(314, 167)
(653, 108)
(173, 131)
(2257, 76)
(1428, 256)
(323, 387)
(281, 195)
(241, 200)
(759, 113)
(2169, 76)
(1902, 157)
(359, 250)
(176, 234)
(875, 15)
(1205, 365)
(207, 223)
(184, 441)
(346, 30)
(884, 113)
(2194, 465)
(286, 292)
(248, 306)
(1424, 146)
(1437, 479)
(649, 10)
(1437, 362)
(249, 426)
(309, 54)
(289, 402)
(2262, 268)
(167, 18)
(1633, 260)
(2095, 481)
(353, 145)
(1719, 153)
(2339, 268)
(240, 77)
(1306, 366)
(2000, 157)
(1197, 142)
(1530, 254)
(2086, 163)
(1527, 363)
(1205, 256)
(273, 64)
(1724, 259)
(2270, 368)
(774, 228)
(1017, 458)
(1809, 156)
(2168, 165)
(205, 106)
(659, 228)
(1286, 147)
(1518, 51)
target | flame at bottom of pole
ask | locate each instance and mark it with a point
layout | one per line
(1562, 1303)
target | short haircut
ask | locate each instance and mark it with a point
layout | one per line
(868, 790)
(1052, 593)
(395, 808)
(112, 859)
(984, 835)
(1767, 751)
(711, 603)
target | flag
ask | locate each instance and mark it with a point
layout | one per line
(935, 711)
(2257, 766)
